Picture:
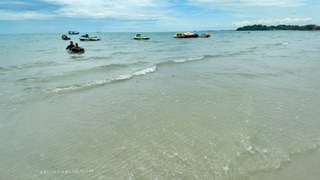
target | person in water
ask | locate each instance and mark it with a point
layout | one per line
(70, 45)
(77, 48)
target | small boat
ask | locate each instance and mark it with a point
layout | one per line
(141, 37)
(78, 50)
(204, 35)
(185, 35)
(73, 32)
(89, 38)
(65, 37)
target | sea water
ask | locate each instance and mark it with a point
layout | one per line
(237, 105)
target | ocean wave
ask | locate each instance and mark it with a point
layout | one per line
(100, 82)
(123, 53)
(30, 79)
(283, 43)
(112, 66)
(98, 58)
(146, 71)
(186, 60)
(26, 66)
(3, 69)
(104, 67)
(109, 67)
(56, 77)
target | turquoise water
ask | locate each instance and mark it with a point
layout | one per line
(237, 105)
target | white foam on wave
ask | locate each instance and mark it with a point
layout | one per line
(65, 88)
(122, 77)
(146, 71)
(106, 80)
(188, 59)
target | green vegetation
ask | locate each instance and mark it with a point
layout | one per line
(259, 27)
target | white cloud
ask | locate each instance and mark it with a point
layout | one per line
(294, 21)
(167, 14)
(249, 3)
(9, 2)
(13, 15)
(128, 9)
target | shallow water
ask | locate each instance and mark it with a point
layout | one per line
(237, 105)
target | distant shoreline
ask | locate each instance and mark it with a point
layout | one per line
(260, 27)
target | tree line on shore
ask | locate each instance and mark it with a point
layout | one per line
(260, 27)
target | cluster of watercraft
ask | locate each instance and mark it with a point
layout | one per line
(190, 35)
(177, 35)
(87, 37)
(84, 37)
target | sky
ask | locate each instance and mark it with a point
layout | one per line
(41, 16)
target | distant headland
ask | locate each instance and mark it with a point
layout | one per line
(260, 27)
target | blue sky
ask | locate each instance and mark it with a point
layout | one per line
(28, 16)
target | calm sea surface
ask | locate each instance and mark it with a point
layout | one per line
(237, 105)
